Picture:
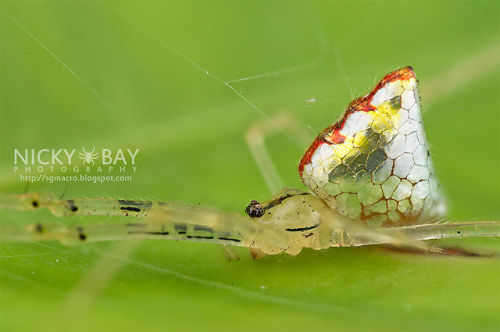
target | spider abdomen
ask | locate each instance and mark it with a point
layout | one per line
(374, 164)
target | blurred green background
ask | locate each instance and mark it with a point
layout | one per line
(121, 74)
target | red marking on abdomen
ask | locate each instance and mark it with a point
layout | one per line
(306, 158)
(335, 137)
(332, 135)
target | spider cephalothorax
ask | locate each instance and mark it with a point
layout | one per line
(374, 163)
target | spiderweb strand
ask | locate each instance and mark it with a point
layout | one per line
(84, 82)
(153, 36)
(323, 50)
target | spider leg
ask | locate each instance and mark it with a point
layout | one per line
(255, 139)
(442, 251)
(256, 253)
(151, 220)
(411, 238)
(349, 233)
(230, 252)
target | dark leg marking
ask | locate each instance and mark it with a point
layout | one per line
(81, 235)
(135, 224)
(203, 229)
(228, 239)
(134, 206)
(71, 205)
(180, 228)
(199, 237)
(143, 204)
(302, 228)
(130, 208)
(150, 233)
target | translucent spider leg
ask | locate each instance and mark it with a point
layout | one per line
(156, 211)
(231, 232)
(298, 220)
(255, 138)
(169, 228)
(151, 220)
(412, 235)
(451, 230)
(81, 206)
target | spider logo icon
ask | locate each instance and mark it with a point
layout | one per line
(88, 157)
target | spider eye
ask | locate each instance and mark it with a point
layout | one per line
(254, 209)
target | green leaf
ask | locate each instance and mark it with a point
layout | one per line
(132, 75)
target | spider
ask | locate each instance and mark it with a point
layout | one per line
(88, 157)
(370, 177)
